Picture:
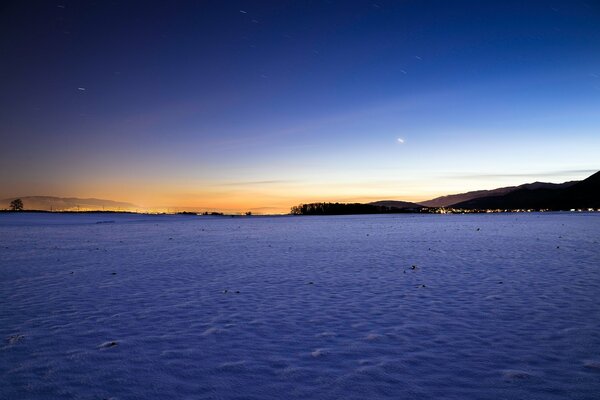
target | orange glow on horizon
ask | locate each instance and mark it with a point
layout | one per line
(261, 196)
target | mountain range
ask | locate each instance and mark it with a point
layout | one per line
(445, 201)
(68, 204)
(570, 195)
(538, 195)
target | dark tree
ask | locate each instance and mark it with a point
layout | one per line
(344, 209)
(16, 205)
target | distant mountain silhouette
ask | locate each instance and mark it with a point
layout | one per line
(396, 204)
(579, 195)
(445, 201)
(68, 204)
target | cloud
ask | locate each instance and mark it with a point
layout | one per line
(400, 140)
(250, 183)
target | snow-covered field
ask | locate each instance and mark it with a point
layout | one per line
(160, 307)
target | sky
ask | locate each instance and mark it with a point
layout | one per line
(261, 105)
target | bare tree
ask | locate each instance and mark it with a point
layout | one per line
(16, 205)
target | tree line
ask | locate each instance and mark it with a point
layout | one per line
(343, 209)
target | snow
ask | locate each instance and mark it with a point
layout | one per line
(156, 307)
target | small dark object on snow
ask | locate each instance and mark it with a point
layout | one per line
(478, 229)
(413, 267)
(311, 283)
(14, 339)
(225, 291)
(113, 273)
(237, 291)
(108, 345)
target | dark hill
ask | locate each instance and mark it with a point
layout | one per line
(585, 194)
(396, 204)
(578, 195)
(445, 201)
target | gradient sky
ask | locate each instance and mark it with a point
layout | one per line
(261, 105)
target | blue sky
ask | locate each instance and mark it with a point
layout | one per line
(239, 105)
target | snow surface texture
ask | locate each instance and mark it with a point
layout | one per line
(158, 307)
